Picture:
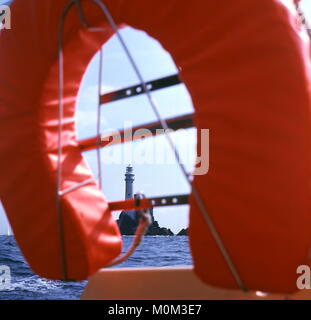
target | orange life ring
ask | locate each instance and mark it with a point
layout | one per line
(248, 72)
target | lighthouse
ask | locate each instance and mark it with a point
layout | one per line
(128, 220)
(129, 179)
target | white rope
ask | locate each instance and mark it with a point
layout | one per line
(59, 144)
(98, 150)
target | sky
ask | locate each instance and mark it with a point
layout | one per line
(152, 179)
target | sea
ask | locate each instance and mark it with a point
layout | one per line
(154, 251)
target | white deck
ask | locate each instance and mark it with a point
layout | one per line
(179, 283)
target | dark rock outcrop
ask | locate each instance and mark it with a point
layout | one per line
(128, 222)
(183, 232)
(156, 230)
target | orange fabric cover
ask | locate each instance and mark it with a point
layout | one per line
(28, 148)
(248, 72)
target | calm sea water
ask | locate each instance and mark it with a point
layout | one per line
(154, 251)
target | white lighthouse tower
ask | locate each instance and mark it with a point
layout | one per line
(129, 179)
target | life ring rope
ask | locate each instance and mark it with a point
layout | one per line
(142, 228)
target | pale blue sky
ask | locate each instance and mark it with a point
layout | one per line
(156, 179)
